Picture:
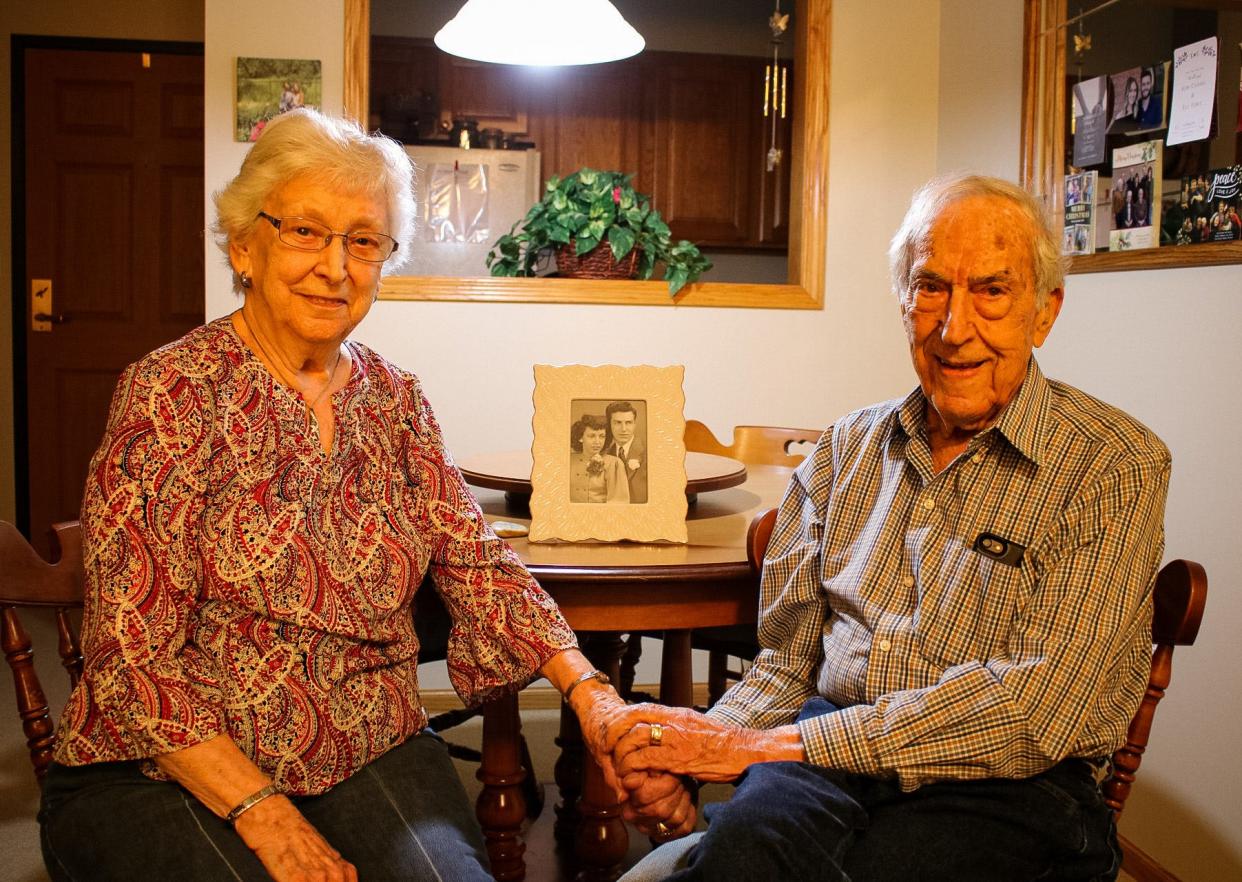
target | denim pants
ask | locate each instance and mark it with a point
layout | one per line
(405, 816)
(796, 821)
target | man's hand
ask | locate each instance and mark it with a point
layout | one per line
(659, 805)
(289, 847)
(693, 744)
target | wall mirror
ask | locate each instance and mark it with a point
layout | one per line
(1071, 42)
(800, 274)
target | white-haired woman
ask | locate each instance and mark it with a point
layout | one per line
(265, 502)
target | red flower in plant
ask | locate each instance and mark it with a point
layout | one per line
(616, 195)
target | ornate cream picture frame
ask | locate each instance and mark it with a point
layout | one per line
(609, 455)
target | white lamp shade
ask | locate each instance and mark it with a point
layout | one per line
(540, 32)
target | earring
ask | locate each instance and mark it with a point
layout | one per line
(245, 280)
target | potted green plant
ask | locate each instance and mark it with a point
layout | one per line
(601, 228)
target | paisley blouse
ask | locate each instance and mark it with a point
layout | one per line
(241, 581)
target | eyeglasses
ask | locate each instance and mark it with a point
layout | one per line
(305, 234)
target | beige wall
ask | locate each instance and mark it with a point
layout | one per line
(117, 19)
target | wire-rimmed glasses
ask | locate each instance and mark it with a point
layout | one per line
(306, 234)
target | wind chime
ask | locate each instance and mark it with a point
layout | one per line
(775, 81)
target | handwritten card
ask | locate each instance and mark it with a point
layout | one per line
(1194, 91)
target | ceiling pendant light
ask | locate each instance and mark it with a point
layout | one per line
(540, 32)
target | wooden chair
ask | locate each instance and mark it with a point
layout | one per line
(1179, 598)
(753, 445)
(26, 580)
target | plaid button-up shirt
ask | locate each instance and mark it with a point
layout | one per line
(948, 662)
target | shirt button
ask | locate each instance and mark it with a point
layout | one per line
(907, 581)
(929, 503)
(884, 645)
(977, 458)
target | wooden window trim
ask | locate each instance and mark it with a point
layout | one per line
(808, 233)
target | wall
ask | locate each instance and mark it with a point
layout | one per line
(118, 19)
(1161, 345)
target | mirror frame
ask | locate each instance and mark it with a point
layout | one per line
(1043, 143)
(808, 199)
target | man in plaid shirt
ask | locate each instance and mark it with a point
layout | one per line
(955, 606)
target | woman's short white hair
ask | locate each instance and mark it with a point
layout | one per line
(938, 194)
(338, 153)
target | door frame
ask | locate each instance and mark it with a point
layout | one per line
(20, 44)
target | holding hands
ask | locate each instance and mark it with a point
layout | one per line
(650, 745)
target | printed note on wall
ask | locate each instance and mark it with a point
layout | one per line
(1194, 91)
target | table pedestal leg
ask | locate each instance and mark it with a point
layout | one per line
(568, 776)
(676, 672)
(501, 808)
(602, 840)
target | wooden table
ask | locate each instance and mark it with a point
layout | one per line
(510, 471)
(610, 589)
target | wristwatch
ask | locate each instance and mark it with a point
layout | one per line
(596, 674)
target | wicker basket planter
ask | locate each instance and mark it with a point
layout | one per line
(596, 263)
(596, 206)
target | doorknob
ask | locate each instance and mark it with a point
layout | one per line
(42, 316)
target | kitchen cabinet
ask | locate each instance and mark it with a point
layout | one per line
(689, 126)
(710, 180)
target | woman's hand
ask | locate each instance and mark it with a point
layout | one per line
(221, 776)
(659, 805)
(289, 847)
(597, 706)
(600, 709)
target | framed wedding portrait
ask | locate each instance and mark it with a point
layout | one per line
(609, 455)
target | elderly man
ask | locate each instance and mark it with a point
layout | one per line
(955, 604)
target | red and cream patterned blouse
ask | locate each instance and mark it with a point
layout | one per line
(239, 580)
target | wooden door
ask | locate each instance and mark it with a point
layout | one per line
(114, 221)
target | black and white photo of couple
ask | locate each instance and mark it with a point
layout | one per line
(608, 451)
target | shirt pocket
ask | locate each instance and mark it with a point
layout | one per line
(968, 606)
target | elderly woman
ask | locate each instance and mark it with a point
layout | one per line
(594, 476)
(265, 502)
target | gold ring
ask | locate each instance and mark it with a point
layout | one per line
(656, 735)
(662, 828)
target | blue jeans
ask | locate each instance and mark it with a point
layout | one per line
(404, 816)
(802, 822)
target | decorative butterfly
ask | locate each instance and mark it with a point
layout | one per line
(1082, 43)
(778, 23)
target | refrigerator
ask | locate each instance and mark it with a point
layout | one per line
(466, 200)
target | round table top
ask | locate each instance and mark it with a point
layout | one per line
(627, 586)
(510, 471)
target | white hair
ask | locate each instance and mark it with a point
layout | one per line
(938, 194)
(340, 154)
